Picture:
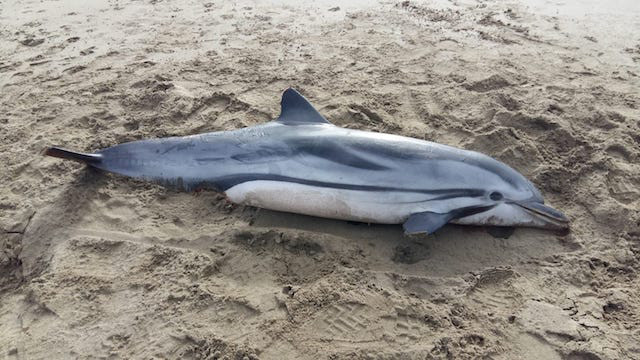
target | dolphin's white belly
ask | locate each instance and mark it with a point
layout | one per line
(344, 204)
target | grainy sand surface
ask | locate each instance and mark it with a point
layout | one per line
(100, 266)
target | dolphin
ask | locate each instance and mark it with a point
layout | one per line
(301, 163)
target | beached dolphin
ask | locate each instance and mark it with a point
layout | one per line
(301, 163)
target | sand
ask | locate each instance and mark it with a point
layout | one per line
(100, 266)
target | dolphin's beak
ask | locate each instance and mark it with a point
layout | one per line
(550, 217)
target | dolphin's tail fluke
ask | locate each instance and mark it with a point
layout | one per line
(91, 159)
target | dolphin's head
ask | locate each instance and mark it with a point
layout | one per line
(512, 200)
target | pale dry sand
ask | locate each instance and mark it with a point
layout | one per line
(96, 266)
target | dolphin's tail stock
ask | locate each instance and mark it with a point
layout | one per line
(90, 159)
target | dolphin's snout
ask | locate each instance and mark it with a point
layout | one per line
(550, 216)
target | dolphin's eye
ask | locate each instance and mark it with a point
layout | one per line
(495, 196)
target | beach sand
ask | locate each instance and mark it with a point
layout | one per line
(101, 266)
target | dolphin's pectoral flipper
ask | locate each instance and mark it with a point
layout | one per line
(426, 222)
(295, 109)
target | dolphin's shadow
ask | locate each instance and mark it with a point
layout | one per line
(452, 250)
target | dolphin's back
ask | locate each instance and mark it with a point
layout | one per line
(308, 154)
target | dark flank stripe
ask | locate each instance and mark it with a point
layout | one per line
(224, 183)
(471, 210)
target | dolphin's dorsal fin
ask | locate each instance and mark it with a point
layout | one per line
(295, 109)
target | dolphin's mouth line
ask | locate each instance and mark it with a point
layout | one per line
(548, 214)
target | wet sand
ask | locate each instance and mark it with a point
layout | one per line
(100, 266)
